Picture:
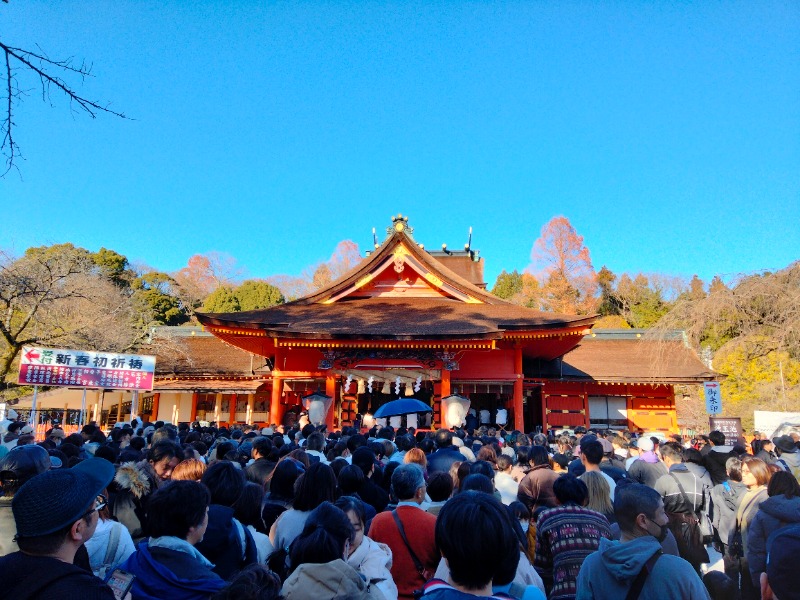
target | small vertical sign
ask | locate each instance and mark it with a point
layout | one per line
(713, 397)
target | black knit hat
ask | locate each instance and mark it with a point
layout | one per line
(56, 499)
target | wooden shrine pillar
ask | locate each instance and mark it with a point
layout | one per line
(232, 408)
(119, 409)
(330, 390)
(519, 415)
(217, 407)
(445, 387)
(154, 412)
(275, 415)
(251, 403)
(195, 398)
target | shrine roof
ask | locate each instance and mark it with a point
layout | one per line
(394, 318)
(451, 307)
(625, 361)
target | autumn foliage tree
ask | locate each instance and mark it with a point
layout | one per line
(562, 262)
(345, 257)
(203, 274)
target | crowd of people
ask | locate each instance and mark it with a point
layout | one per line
(195, 512)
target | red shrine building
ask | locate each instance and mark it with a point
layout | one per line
(408, 322)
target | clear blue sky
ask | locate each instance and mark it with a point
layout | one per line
(667, 132)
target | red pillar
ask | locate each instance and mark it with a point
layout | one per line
(445, 393)
(330, 390)
(519, 417)
(154, 414)
(193, 416)
(275, 414)
(232, 408)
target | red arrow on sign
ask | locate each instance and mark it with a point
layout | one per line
(31, 354)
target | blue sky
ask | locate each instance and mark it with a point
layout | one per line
(667, 132)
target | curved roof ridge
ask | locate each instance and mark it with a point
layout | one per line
(397, 238)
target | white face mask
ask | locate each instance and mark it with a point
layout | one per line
(524, 525)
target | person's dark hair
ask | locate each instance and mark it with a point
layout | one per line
(316, 441)
(283, 478)
(364, 458)
(164, 450)
(317, 485)
(443, 438)
(355, 442)
(717, 438)
(519, 511)
(483, 468)
(351, 503)
(69, 450)
(326, 531)
(406, 480)
(440, 486)
(671, 450)
(223, 448)
(720, 586)
(351, 479)
(426, 445)
(468, 524)
(76, 439)
(106, 452)
(176, 507)
(254, 582)
(691, 455)
(477, 482)
(538, 455)
(631, 500)
(165, 434)
(137, 443)
(225, 482)
(783, 482)
(404, 442)
(592, 452)
(262, 445)
(569, 489)
(523, 456)
(247, 508)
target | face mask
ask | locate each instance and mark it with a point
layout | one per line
(662, 534)
(524, 525)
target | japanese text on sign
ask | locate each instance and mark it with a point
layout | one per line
(713, 397)
(77, 368)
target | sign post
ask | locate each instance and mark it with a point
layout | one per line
(713, 397)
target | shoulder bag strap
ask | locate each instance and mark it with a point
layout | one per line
(417, 562)
(686, 501)
(743, 509)
(638, 583)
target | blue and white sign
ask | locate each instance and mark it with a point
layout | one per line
(713, 397)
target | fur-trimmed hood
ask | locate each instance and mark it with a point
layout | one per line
(135, 478)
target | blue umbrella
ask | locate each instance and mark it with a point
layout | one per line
(403, 406)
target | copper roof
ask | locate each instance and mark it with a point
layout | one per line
(203, 356)
(395, 318)
(625, 361)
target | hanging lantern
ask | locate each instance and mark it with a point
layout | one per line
(409, 388)
(386, 389)
(362, 386)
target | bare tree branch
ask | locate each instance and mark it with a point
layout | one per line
(47, 70)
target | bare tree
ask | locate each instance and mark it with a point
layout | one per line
(55, 295)
(53, 76)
